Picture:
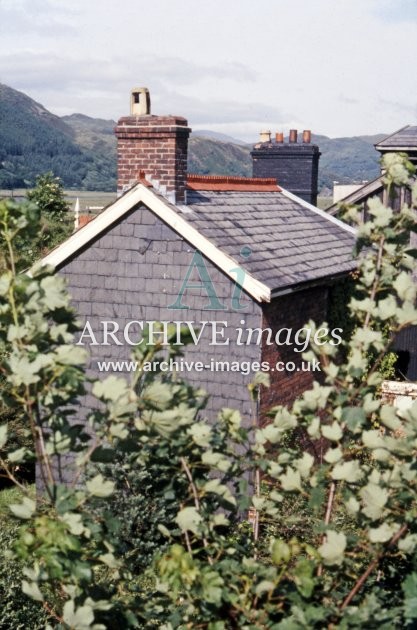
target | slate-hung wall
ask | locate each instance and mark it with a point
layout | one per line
(134, 272)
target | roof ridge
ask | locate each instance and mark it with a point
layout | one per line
(394, 133)
(231, 179)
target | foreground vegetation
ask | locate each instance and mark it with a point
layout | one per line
(151, 528)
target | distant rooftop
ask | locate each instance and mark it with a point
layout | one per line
(405, 138)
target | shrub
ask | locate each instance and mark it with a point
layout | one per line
(350, 531)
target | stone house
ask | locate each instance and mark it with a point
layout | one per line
(241, 262)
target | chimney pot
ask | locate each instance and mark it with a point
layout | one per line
(152, 147)
(293, 136)
(279, 137)
(140, 102)
(265, 136)
(306, 136)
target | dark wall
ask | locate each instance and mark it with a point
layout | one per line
(290, 311)
(295, 166)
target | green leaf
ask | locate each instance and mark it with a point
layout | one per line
(280, 552)
(264, 587)
(216, 487)
(23, 510)
(74, 522)
(201, 433)
(284, 420)
(303, 577)
(354, 417)
(32, 590)
(216, 460)
(386, 308)
(111, 388)
(347, 471)
(374, 499)
(3, 434)
(388, 416)
(189, 519)
(291, 480)
(408, 544)
(304, 464)
(405, 286)
(55, 292)
(333, 549)
(212, 587)
(332, 432)
(352, 506)
(78, 618)
(99, 487)
(373, 439)
(333, 455)
(71, 355)
(409, 587)
(383, 533)
(18, 455)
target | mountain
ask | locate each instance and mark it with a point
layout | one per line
(214, 157)
(95, 134)
(33, 141)
(215, 135)
(82, 150)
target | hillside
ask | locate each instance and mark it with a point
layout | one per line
(33, 141)
(82, 150)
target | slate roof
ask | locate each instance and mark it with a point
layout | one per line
(405, 138)
(291, 242)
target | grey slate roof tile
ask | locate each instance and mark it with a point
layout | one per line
(405, 137)
(290, 243)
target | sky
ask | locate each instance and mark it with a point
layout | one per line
(337, 67)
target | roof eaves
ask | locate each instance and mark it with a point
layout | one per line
(381, 142)
(301, 286)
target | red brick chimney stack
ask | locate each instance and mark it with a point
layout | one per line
(154, 145)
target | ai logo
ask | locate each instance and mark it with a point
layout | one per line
(205, 283)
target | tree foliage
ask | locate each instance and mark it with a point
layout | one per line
(48, 195)
(152, 529)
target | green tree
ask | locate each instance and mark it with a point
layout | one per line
(338, 536)
(48, 195)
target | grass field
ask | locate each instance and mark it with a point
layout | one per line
(87, 198)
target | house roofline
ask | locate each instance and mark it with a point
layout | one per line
(370, 188)
(162, 209)
(321, 213)
(394, 133)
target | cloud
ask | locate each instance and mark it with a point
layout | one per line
(175, 70)
(348, 100)
(401, 108)
(42, 17)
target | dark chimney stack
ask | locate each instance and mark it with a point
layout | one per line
(295, 165)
